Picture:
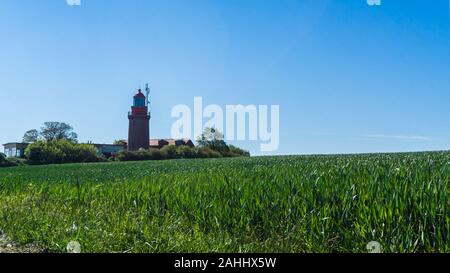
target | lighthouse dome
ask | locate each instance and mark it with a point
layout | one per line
(139, 94)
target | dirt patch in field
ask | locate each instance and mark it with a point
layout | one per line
(6, 246)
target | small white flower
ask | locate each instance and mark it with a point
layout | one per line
(73, 228)
(73, 247)
(374, 247)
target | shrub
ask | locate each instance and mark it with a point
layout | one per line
(237, 152)
(7, 162)
(152, 154)
(186, 152)
(126, 156)
(173, 152)
(143, 154)
(60, 151)
(88, 153)
(169, 152)
(156, 154)
(16, 161)
(206, 152)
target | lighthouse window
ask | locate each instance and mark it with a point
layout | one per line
(139, 102)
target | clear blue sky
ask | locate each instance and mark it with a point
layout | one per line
(348, 77)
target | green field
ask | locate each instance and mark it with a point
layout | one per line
(260, 204)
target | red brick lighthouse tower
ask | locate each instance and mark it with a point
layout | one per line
(139, 117)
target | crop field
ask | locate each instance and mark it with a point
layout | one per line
(260, 204)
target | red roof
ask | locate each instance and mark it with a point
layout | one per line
(159, 143)
(139, 94)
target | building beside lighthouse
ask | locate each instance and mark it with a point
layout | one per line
(139, 123)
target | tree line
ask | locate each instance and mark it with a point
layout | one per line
(57, 143)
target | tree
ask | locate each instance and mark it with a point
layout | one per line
(211, 142)
(120, 142)
(31, 136)
(209, 135)
(213, 139)
(52, 131)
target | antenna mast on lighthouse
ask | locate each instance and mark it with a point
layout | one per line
(147, 93)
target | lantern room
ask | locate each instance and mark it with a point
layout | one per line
(139, 99)
(139, 104)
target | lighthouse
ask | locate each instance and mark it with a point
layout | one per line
(139, 123)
